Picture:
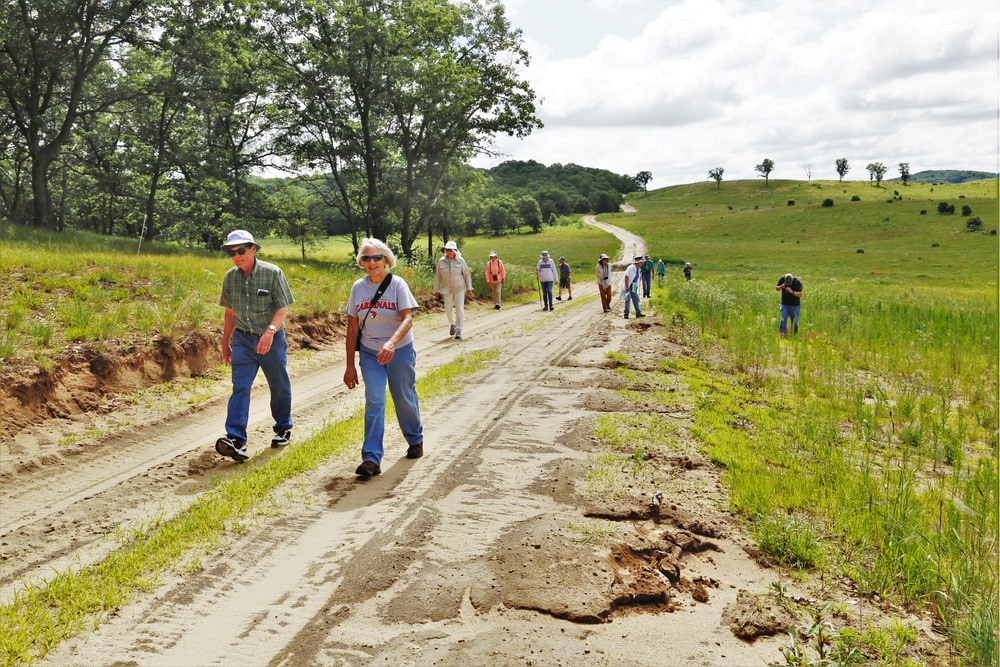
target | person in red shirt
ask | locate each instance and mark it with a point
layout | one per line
(495, 277)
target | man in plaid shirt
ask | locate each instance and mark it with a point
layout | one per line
(256, 297)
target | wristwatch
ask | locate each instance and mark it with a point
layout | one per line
(272, 328)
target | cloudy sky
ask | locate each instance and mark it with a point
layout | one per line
(677, 87)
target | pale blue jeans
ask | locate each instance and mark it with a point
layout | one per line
(401, 376)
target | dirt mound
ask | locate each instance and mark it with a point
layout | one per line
(88, 376)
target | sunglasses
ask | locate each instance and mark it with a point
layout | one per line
(371, 258)
(242, 250)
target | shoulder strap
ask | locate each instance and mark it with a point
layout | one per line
(378, 295)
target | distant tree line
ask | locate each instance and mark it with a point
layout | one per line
(557, 189)
(876, 172)
(150, 117)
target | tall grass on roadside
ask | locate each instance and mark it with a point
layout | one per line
(41, 615)
(874, 438)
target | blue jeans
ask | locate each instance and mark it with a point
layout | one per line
(547, 293)
(632, 298)
(401, 375)
(786, 312)
(647, 279)
(246, 362)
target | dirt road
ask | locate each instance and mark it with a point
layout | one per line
(471, 555)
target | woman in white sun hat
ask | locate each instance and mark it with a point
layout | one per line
(453, 281)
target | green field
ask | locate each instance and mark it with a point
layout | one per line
(863, 449)
(743, 229)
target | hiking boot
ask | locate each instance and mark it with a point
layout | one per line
(569, 298)
(368, 469)
(458, 334)
(451, 331)
(626, 316)
(281, 438)
(545, 307)
(415, 451)
(640, 315)
(233, 448)
(558, 298)
(496, 307)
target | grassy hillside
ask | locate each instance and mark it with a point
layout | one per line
(746, 229)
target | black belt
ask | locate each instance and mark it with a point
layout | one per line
(248, 333)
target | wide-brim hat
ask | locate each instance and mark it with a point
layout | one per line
(545, 253)
(603, 256)
(638, 259)
(451, 245)
(493, 253)
(240, 237)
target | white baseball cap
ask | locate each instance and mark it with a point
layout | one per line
(240, 237)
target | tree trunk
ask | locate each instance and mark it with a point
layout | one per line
(42, 202)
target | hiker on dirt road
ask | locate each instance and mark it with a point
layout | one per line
(379, 319)
(546, 273)
(630, 287)
(791, 300)
(495, 277)
(564, 272)
(256, 297)
(453, 280)
(647, 276)
(603, 272)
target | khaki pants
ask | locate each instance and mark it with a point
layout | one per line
(497, 287)
(605, 291)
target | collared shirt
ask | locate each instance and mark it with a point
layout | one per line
(256, 298)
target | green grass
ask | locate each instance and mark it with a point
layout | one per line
(58, 289)
(744, 230)
(74, 600)
(866, 446)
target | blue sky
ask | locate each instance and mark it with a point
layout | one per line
(678, 87)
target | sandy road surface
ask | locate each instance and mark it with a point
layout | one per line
(464, 557)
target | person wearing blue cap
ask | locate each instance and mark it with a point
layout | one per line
(256, 297)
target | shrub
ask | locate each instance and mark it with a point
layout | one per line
(945, 207)
(973, 224)
(923, 211)
(791, 202)
(966, 210)
(827, 203)
(855, 198)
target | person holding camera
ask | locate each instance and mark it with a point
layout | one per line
(604, 281)
(495, 277)
(791, 299)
